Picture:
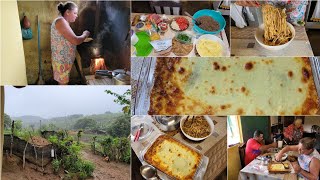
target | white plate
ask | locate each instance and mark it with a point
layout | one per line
(284, 157)
(213, 38)
(259, 38)
(207, 118)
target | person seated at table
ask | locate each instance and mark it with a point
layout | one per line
(308, 165)
(255, 147)
(294, 132)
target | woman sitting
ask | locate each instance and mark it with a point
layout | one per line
(294, 132)
(308, 165)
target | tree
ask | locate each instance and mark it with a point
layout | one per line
(7, 121)
(17, 124)
(124, 100)
(79, 136)
(52, 127)
(85, 123)
(120, 127)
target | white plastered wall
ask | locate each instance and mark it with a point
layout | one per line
(13, 68)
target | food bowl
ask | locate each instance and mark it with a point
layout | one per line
(187, 39)
(168, 123)
(284, 156)
(207, 118)
(259, 38)
(216, 15)
(181, 30)
(213, 38)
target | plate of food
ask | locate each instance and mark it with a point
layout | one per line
(276, 167)
(175, 159)
(209, 45)
(182, 44)
(271, 35)
(284, 156)
(197, 128)
(163, 27)
(179, 24)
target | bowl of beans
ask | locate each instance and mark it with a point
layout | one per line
(210, 22)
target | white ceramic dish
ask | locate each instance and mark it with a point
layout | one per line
(259, 38)
(213, 38)
(284, 157)
(207, 118)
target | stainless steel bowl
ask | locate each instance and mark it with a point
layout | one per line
(168, 123)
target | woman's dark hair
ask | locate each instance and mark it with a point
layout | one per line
(257, 133)
(308, 142)
(63, 7)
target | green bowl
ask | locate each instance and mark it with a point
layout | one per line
(184, 38)
(143, 46)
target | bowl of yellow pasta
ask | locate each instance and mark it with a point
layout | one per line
(272, 39)
(211, 46)
(275, 33)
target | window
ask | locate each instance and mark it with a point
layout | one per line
(234, 136)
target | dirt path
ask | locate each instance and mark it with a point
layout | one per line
(106, 170)
(12, 170)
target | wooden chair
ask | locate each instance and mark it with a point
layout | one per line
(166, 7)
(242, 153)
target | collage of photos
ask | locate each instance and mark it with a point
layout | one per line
(160, 90)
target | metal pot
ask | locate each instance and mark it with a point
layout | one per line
(168, 123)
(121, 77)
(95, 50)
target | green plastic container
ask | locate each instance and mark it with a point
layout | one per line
(143, 46)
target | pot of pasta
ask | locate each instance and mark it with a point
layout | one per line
(275, 33)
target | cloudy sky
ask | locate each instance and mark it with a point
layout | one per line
(54, 101)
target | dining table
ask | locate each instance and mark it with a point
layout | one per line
(256, 170)
(243, 43)
(170, 34)
(214, 147)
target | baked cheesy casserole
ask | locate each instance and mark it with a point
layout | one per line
(239, 86)
(173, 158)
(277, 167)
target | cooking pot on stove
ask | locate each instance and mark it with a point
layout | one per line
(95, 50)
(121, 77)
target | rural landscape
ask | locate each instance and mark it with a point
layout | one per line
(75, 146)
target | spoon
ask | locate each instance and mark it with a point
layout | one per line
(197, 22)
(136, 137)
(149, 172)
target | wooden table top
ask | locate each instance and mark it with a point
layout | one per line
(243, 43)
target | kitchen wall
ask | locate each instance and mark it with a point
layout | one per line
(108, 22)
(251, 123)
(234, 162)
(13, 69)
(309, 121)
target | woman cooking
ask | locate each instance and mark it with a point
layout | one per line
(308, 165)
(64, 42)
(294, 132)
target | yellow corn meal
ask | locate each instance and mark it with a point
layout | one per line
(209, 48)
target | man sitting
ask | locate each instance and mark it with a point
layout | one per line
(255, 147)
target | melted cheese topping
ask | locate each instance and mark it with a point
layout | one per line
(173, 158)
(240, 86)
(277, 167)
